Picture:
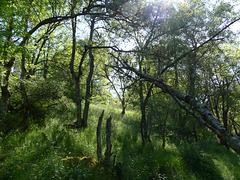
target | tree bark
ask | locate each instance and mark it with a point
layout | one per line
(4, 87)
(204, 116)
(75, 77)
(89, 78)
(201, 113)
(23, 78)
(99, 138)
(164, 128)
(25, 123)
(7, 65)
(108, 152)
(123, 106)
(192, 67)
(144, 124)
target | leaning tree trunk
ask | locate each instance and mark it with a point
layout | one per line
(201, 113)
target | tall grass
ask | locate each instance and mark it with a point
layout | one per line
(55, 152)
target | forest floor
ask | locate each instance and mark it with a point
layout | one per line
(54, 151)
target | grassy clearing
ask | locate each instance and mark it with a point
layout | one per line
(55, 152)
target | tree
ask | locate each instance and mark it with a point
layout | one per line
(221, 84)
(90, 75)
(195, 108)
(16, 40)
(121, 85)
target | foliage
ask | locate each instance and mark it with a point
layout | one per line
(61, 60)
(56, 152)
(44, 97)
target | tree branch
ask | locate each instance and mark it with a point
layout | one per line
(201, 45)
(203, 115)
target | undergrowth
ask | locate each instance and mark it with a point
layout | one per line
(56, 152)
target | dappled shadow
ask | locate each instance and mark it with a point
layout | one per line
(200, 158)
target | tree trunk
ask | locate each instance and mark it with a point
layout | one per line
(142, 107)
(176, 76)
(204, 116)
(143, 124)
(45, 65)
(192, 74)
(164, 128)
(108, 152)
(225, 107)
(7, 65)
(123, 106)
(75, 77)
(78, 103)
(145, 133)
(25, 122)
(4, 102)
(4, 87)
(201, 113)
(89, 78)
(99, 138)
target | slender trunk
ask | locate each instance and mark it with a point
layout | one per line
(145, 133)
(89, 78)
(143, 124)
(149, 126)
(24, 72)
(216, 104)
(75, 77)
(176, 76)
(164, 133)
(123, 106)
(25, 122)
(143, 113)
(99, 138)
(35, 60)
(225, 104)
(108, 152)
(142, 107)
(192, 74)
(224, 113)
(45, 65)
(78, 103)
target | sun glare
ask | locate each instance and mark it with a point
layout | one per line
(174, 3)
(171, 1)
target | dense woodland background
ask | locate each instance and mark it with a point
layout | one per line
(118, 89)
